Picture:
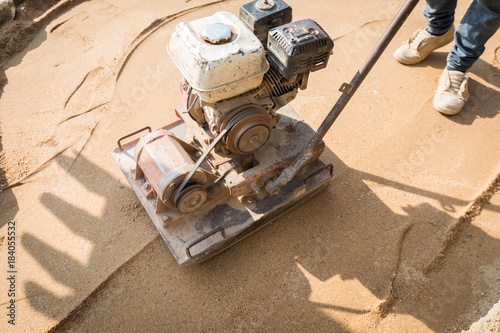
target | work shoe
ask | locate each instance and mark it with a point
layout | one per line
(420, 45)
(452, 92)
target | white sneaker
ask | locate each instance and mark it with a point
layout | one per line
(452, 92)
(420, 45)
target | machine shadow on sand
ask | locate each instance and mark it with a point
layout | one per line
(358, 240)
(353, 235)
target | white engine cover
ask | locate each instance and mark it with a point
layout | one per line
(218, 71)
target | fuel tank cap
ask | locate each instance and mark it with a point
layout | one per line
(216, 33)
(265, 4)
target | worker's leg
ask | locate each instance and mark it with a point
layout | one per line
(477, 26)
(480, 22)
(440, 15)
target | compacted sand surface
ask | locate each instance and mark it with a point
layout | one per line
(406, 238)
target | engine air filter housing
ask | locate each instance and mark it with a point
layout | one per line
(298, 47)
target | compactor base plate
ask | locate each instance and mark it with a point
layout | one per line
(208, 231)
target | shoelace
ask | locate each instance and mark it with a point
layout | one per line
(415, 41)
(455, 83)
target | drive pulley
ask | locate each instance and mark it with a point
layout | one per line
(191, 198)
(248, 131)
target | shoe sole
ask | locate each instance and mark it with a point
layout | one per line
(405, 61)
(446, 111)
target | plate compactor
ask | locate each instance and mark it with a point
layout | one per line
(239, 156)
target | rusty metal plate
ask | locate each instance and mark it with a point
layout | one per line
(201, 235)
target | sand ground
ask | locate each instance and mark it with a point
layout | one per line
(406, 238)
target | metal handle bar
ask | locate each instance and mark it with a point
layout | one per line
(131, 134)
(348, 90)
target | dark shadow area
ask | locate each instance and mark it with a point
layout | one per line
(346, 232)
(483, 102)
(260, 284)
(444, 299)
(481, 68)
(8, 201)
(62, 267)
(435, 60)
(487, 72)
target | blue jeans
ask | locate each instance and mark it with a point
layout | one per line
(477, 26)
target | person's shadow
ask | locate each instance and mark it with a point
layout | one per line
(400, 258)
(8, 201)
(17, 40)
(64, 269)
